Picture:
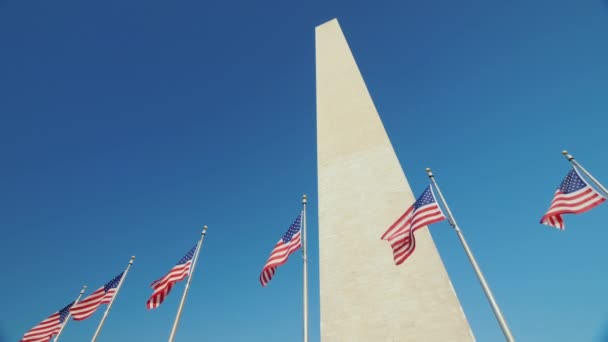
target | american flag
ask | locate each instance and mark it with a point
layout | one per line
(45, 330)
(163, 286)
(400, 235)
(289, 243)
(86, 307)
(573, 196)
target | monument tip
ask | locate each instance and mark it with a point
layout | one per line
(333, 21)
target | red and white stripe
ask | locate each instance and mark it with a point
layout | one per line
(163, 286)
(401, 233)
(86, 307)
(573, 203)
(279, 256)
(44, 331)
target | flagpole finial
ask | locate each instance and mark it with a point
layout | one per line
(84, 288)
(429, 172)
(304, 199)
(132, 259)
(204, 230)
(567, 155)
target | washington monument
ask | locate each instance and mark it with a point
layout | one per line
(362, 190)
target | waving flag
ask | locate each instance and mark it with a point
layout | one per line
(46, 329)
(289, 243)
(86, 307)
(163, 286)
(573, 196)
(400, 235)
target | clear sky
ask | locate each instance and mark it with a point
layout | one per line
(127, 125)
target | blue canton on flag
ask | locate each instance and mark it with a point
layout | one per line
(63, 313)
(112, 284)
(425, 198)
(293, 229)
(572, 183)
(188, 256)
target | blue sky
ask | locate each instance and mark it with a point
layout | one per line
(127, 125)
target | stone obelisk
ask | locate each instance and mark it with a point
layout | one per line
(362, 190)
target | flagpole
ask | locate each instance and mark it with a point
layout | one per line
(484, 284)
(578, 166)
(305, 271)
(67, 318)
(185, 294)
(105, 314)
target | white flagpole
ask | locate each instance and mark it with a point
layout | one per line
(484, 284)
(185, 294)
(305, 272)
(105, 314)
(578, 166)
(67, 318)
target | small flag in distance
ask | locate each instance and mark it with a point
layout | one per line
(573, 196)
(163, 286)
(400, 235)
(45, 330)
(86, 307)
(289, 243)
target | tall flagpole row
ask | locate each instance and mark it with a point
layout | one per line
(587, 174)
(185, 294)
(105, 314)
(484, 284)
(305, 270)
(67, 318)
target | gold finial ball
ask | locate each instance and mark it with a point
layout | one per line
(428, 169)
(133, 257)
(564, 152)
(205, 228)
